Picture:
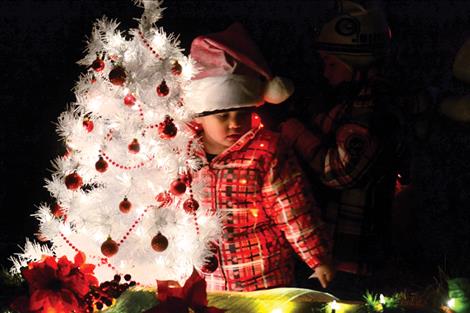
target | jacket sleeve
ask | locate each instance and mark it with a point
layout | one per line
(349, 154)
(287, 200)
(340, 157)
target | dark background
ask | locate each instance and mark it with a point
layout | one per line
(40, 41)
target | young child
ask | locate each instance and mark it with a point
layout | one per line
(267, 213)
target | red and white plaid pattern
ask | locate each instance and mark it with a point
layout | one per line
(267, 214)
(350, 155)
(345, 163)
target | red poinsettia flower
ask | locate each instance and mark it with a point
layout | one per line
(192, 295)
(58, 286)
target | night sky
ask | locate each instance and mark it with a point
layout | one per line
(41, 41)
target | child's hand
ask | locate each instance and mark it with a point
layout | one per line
(324, 273)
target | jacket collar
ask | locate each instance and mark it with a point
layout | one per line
(239, 144)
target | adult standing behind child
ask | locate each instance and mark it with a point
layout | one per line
(250, 178)
(354, 147)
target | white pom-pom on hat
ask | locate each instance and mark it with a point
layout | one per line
(278, 90)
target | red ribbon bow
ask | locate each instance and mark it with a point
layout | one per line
(192, 295)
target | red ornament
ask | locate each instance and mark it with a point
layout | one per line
(129, 100)
(134, 146)
(164, 199)
(176, 68)
(73, 181)
(212, 263)
(88, 124)
(190, 205)
(101, 165)
(159, 243)
(109, 247)
(177, 187)
(57, 210)
(117, 76)
(97, 65)
(125, 206)
(162, 89)
(167, 129)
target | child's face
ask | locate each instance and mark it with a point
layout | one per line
(335, 70)
(221, 130)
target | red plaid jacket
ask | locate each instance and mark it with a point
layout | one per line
(266, 214)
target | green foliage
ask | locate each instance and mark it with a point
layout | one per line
(134, 301)
(11, 286)
(378, 303)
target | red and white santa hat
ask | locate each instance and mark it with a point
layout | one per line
(232, 74)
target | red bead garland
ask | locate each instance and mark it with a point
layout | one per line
(124, 167)
(146, 43)
(103, 261)
(133, 226)
(68, 242)
(191, 195)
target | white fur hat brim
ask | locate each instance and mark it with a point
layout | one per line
(233, 91)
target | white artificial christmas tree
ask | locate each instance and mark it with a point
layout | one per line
(124, 193)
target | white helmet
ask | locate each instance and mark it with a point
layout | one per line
(356, 36)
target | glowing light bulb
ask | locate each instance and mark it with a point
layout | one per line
(65, 229)
(94, 103)
(140, 231)
(99, 237)
(185, 245)
(334, 306)
(451, 303)
(202, 220)
(382, 299)
(160, 260)
(277, 310)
